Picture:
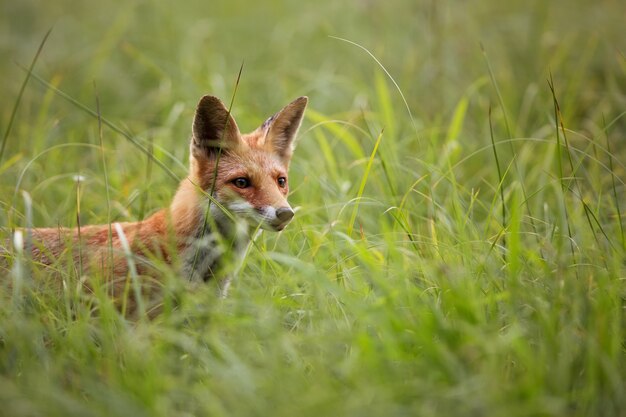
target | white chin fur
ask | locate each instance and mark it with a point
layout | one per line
(266, 217)
(240, 207)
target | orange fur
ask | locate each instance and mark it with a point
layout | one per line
(259, 160)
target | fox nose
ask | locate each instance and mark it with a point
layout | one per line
(284, 214)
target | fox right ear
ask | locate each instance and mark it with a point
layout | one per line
(281, 128)
(213, 126)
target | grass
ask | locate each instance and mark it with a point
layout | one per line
(458, 247)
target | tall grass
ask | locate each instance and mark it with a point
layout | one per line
(468, 260)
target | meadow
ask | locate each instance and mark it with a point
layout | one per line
(458, 247)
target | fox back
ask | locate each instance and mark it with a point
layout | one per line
(236, 184)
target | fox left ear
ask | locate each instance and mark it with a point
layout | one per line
(213, 127)
(283, 126)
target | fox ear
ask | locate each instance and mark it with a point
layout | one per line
(282, 128)
(213, 127)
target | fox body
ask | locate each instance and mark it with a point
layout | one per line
(236, 183)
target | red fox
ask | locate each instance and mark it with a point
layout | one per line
(236, 183)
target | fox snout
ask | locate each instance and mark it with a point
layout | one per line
(284, 215)
(275, 218)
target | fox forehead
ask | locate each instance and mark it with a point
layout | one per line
(255, 163)
(251, 158)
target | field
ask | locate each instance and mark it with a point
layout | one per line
(458, 247)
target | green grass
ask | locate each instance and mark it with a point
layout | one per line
(468, 260)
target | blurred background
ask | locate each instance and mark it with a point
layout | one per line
(149, 62)
(147, 53)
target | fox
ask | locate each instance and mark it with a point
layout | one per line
(237, 183)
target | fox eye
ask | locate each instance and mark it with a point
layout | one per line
(282, 182)
(241, 182)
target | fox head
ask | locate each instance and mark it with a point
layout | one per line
(246, 173)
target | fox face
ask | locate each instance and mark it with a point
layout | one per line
(245, 173)
(254, 188)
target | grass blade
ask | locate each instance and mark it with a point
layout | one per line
(613, 186)
(105, 173)
(363, 182)
(207, 214)
(132, 268)
(406, 104)
(500, 179)
(16, 105)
